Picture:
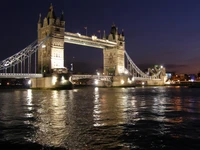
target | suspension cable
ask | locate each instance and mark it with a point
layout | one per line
(21, 55)
(140, 72)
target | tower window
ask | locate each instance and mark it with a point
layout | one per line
(57, 29)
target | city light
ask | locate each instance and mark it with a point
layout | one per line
(63, 80)
(29, 82)
(122, 81)
(94, 37)
(96, 82)
(43, 45)
(79, 34)
(129, 81)
(126, 71)
(54, 80)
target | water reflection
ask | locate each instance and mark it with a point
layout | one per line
(29, 105)
(97, 108)
(109, 108)
(100, 118)
(51, 119)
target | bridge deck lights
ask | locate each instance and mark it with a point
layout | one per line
(122, 81)
(94, 37)
(78, 34)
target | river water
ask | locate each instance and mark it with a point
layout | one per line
(101, 118)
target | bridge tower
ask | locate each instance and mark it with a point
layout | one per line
(114, 59)
(51, 55)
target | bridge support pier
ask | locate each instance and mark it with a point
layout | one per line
(155, 82)
(122, 81)
(58, 81)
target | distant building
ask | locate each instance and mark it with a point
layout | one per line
(192, 77)
(170, 75)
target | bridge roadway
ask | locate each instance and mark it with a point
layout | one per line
(107, 78)
(103, 78)
(20, 75)
(73, 77)
(93, 41)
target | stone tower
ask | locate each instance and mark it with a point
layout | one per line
(114, 60)
(51, 54)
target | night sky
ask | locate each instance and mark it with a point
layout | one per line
(163, 32)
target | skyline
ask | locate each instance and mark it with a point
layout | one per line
(165, 33)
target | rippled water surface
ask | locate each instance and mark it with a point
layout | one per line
(101, 118)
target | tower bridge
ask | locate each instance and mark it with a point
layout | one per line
(44, 58)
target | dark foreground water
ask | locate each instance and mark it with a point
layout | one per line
(101, 118)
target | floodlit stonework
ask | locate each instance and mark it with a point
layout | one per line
(114, 58)
(51, 54)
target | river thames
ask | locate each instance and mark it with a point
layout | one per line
(92, 118)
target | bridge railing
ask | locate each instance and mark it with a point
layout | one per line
(20, 75)
(145, 79)
(103, 78)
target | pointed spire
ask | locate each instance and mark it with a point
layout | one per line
(113, 29)
(51, 7)
(62, 16)
(40, 18)
(122, 32)
(116, 32)
(104, 34)
(51, 13)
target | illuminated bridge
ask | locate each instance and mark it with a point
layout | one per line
(45, 56)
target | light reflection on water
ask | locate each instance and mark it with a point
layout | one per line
(102, 118)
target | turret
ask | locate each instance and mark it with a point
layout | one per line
(116, 34)
(51, 17)
(123, 37)
(45, 22)
(40, 21)
(122, 32)
(104, 34)
(62, 20)
(58, 21)
(113, 31)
